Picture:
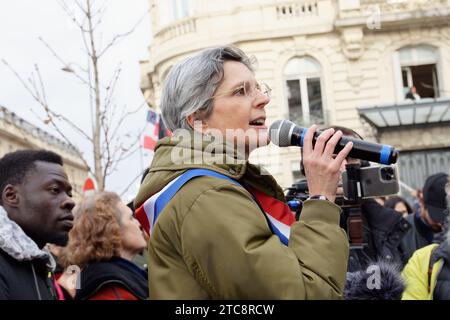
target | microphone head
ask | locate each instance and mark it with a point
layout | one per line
(390, 283)
(280, 132)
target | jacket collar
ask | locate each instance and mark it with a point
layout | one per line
(115, 272)
(15, 242)
(181, 152)
(443, 251)
(190, 149)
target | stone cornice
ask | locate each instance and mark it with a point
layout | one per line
(27, 135)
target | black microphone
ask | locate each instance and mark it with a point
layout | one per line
(285, 133)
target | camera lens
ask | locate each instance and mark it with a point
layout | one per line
(387, 173)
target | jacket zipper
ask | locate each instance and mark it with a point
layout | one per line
(35, 282)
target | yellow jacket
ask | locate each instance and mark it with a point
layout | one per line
(415, 275)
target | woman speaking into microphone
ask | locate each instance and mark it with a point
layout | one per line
(220, 229)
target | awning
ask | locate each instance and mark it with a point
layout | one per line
(409, 113)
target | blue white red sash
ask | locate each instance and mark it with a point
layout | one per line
(277, 213)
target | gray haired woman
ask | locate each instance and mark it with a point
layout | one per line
(221, 230)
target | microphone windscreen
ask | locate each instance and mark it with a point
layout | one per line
(391, 285)
(280, 133)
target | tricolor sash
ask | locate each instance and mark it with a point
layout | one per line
(277, 213)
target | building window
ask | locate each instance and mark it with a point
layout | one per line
(180, 9)
(304, 91)
(418, 66)
(172, 10)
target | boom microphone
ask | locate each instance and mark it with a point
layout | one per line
(380, 281)
(285, 133)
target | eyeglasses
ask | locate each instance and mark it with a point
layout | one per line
(246, 90)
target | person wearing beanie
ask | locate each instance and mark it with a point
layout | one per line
(427, 274)
(427, 223)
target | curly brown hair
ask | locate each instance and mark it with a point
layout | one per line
(95, 235)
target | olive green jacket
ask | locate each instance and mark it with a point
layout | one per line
(212, 241)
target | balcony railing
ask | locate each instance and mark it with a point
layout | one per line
(402, 5)
(287, 10)
(177, 29)
(296, 9)
(393, 12)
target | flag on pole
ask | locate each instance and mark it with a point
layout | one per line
(155, 130)
(151, 134)
(163, 131)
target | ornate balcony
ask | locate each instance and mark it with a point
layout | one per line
(402, 5)
(294, 9)
(176, 29)
(277, 15)
(384, 13)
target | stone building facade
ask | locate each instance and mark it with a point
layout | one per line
(17, 134)
(348, 62)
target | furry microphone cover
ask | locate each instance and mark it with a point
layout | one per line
(361, 285)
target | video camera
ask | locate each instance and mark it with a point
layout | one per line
(359, 181)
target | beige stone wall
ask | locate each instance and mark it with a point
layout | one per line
(417, 138)
(357, 61)
(16, 134)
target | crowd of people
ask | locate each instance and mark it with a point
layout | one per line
(213, 225)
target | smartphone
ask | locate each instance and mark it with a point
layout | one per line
(376, 181)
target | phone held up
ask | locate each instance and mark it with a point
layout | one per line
(370, 182)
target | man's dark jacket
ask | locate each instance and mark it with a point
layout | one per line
(25, 270)
(419, 236)
(442, 289)
(384, 229)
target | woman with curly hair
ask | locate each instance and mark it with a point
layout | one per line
(102, 243)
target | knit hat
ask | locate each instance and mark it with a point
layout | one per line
(435, 196)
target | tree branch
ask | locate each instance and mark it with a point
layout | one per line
(119, 37)
(41, 83)
(124, 155)
(32, 81)
(112, 86)
(80, 6)
(100, 12)
(124, 116)
(131, 184)
(107, 149)
(63, 136)
(66, 65)
(20, 79)
(71, 15)
(42, 100)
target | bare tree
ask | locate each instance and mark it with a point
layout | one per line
(107, 145)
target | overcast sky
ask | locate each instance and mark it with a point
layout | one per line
(22, 22)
